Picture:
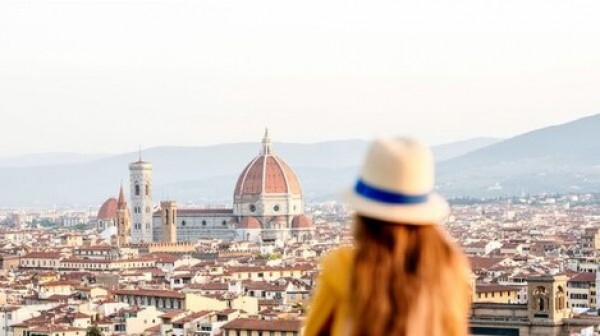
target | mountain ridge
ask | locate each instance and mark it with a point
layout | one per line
(191, 173)
(558, 158)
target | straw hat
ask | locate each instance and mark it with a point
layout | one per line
(397, 183)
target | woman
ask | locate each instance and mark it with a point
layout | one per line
(404, 276)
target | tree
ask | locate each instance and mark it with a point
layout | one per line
(94, 331)
(299, 308)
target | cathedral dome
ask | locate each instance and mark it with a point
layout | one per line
(302, 222)
(108, 210)
(267, 174)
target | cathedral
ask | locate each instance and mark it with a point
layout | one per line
(267, 207)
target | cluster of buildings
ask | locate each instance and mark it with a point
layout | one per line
(62, 282)
(535, 263)
(63, 217)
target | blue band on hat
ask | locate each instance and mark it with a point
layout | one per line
(385, 196)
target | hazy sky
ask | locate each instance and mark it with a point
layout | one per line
(108, 76)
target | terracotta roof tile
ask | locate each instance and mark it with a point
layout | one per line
(263, 325)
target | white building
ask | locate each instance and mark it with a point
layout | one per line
(581, 289)
(10, 315)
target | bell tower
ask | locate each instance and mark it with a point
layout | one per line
(547, 298)
(140, 179)
(168, 216)
(123, 220)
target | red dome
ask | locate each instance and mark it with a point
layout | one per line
(108, 210)
(302, 222)
(267, 174)
(250, 223)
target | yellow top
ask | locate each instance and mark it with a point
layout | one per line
(330, 306)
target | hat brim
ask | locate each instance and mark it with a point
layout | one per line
(434, 211)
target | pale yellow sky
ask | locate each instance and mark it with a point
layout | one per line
(107, 76)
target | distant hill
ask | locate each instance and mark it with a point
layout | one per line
(48, 159)
(456, 149)
(189, 174)
(561, 158)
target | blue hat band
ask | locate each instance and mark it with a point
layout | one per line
(384, 196)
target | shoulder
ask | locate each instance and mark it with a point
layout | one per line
(341, 256)
(336, 267)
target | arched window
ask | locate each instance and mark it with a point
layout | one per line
(137, 189)
(539, 299)
(560, 299)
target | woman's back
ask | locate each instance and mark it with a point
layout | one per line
(420, 281)
(395, 288)
(404, 276)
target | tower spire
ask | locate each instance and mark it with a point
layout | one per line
(267, 147)
(121, 202)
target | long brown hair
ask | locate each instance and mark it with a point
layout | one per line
(408, 280)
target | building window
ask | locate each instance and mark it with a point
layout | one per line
(276, 208)
(183, 223)
(147, 189)
(137, 189)
(252, 207)
(224, 222)
(203, 223)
